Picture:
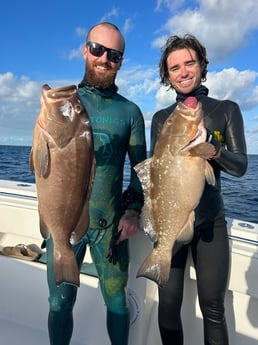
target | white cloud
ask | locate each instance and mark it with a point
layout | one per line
(236, 85)
(128, 25)
(112, 13)
(81, 31)
(20, 103)
(75, 53)
(222, 26)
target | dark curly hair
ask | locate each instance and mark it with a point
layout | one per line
(175, 43)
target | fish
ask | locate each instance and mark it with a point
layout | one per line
(62, 158)
(173, 181)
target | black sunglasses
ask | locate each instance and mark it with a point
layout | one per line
(98, 50)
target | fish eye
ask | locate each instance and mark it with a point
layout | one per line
(78, 109)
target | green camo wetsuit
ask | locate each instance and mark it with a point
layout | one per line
(118, 129)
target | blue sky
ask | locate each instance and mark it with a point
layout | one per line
(41, 43)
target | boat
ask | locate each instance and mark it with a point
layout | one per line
(24, 292)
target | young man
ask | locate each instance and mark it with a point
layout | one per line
(183, 66)
(118, 129)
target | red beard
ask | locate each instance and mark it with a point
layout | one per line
(100, 81)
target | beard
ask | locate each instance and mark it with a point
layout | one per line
(103, 81)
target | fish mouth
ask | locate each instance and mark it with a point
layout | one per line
(199, 137)
(59, 93)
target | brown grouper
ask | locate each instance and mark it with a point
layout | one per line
(62, 158)
(173, 181)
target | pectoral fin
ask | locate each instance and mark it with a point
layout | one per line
(209, 174)
(42, 159)
(143, 172)
(186, 233)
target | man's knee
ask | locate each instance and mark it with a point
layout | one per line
(116, 303)
(57, 304)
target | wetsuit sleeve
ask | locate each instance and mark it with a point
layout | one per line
(136, 154)
(233, 158)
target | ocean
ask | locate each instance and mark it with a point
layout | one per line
(240, 194)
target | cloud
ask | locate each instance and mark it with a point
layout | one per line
(81, 31)
(75, 53)
(222, 26)
(172, 5)
(112, 13)
(236, 85)
(128, 25)
(19, 101)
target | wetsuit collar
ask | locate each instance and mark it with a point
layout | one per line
(200, 91)
(108, 92)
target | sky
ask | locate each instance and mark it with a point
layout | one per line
(41, 42)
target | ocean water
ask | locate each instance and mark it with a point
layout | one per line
(240, 194)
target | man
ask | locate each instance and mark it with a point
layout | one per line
(183, 66)
(118, 129)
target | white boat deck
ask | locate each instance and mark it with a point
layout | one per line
(24, 293)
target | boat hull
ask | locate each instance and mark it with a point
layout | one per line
(24, 292)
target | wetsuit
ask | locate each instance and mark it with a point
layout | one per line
(118, 129)
(209, 246)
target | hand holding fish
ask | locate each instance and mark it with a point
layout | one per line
(213, 153)
(206, 151)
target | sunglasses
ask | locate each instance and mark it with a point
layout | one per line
(98, 50)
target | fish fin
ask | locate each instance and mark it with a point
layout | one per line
(31, 160)
(43, 159)
(209, 174)
(43, 228)
(143, 172)
(147, 220)
(186, 234)
(65, 267)
(156, 268)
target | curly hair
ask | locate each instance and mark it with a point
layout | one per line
(175, 43)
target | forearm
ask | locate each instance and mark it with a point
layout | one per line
(232, 163)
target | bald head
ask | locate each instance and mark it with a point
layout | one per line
(107, 34)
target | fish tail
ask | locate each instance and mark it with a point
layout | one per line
(155, 269)
(66, 268)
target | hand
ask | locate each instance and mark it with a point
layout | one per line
(215, 146)
(129, 224)
(113, 254)
(210, 151)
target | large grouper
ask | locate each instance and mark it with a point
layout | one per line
(173, 181)
(62, 157)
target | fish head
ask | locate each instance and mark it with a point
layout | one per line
(183, 129)
(61, 113)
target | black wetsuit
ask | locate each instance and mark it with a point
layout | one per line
(209, 247)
